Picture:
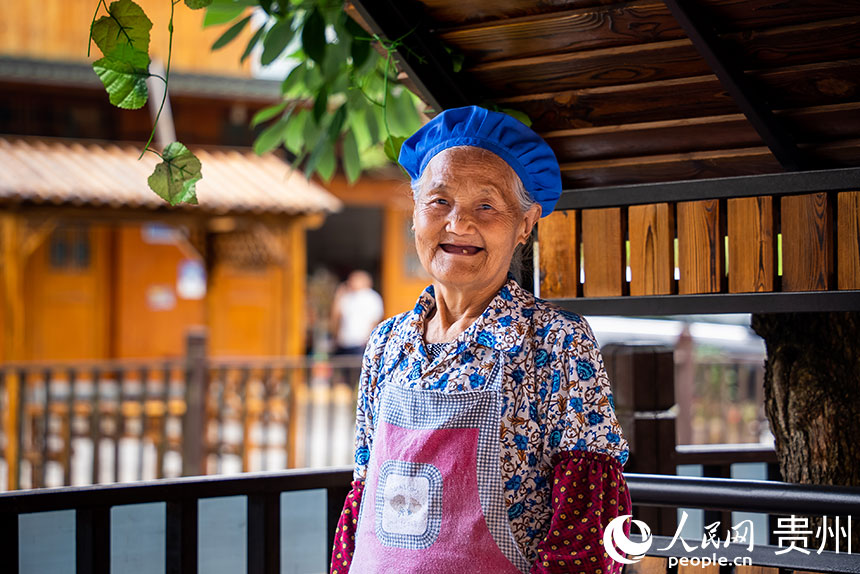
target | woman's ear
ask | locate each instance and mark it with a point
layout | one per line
(531, 216)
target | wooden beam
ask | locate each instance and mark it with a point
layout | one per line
(421, 57)
(780, 142)
(13, 336)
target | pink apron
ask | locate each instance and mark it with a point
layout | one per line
(433, 500)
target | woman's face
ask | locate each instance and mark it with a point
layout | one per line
(467, 218)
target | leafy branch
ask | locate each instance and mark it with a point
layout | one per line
(340, 99)
(122, 36)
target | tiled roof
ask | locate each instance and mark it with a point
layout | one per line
(80, 172)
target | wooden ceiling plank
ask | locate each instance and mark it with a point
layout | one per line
(590, 28)
(457, 12)
(795, 87)
(749, 14)
(745, 95)
(692, 166)
(812, 125)
(620, 66)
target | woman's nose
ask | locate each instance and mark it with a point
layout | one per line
(460, 221)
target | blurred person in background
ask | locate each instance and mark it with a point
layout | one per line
(356, 310)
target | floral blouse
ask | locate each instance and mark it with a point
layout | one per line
(559, 434)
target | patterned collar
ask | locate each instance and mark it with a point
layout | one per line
(502, 326)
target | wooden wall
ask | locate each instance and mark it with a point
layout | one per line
(145, 273)
(125, 304)
(67, 311)
(803, 242)
(58, 30)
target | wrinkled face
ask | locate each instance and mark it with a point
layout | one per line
(468, 220)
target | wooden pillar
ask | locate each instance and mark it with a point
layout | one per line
(13, 336)
(643, 387)
(196, 392)
(295, 267)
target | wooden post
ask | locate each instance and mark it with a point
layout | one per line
(643, 387)
(194, 422)
(13, 338)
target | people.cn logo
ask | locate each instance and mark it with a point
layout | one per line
(614, 537)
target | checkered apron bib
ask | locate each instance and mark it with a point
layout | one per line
(433, 500)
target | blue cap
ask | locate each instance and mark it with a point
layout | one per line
(510, 139)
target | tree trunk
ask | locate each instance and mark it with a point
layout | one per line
(812, 396)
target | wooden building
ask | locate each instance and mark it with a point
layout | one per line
(96, 266)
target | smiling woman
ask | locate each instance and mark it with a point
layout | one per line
(486, 437)
(468, 221)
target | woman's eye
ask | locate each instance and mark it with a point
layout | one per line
(440, 201)
(486, 206)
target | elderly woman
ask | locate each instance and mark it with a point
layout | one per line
(486, 438)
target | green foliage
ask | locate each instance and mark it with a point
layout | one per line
(175, 178)
(197, 4)
(340, 100)
(123, 38)
(124, 80)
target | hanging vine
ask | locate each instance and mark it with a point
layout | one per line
(340, 95)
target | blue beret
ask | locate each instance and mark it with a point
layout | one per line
(510, 139)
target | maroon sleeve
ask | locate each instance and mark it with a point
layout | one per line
(344, 536)
(588, 492)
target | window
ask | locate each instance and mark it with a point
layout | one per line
(69, 248)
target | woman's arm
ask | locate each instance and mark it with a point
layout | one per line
(584, 451)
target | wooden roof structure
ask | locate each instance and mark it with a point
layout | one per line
(709, 148)
(48, 171)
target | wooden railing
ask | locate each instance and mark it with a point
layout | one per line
(740, 244)
(271, 533)
(113, 421)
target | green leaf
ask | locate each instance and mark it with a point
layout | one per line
(321, 103)
(327, 163)
(316, 154)
(392, 147)
(360, 45)
(197, 4)
(266, 114)
(252, 42)
(175, 178)
(358, 129)
(222, 12)
(337, 123)
(403, 114)
(351, 159)
(276, 41)
(127, 25)
(518, 115)
(231, 33)
(294, 79)
(294, 135)
(372, 124)
(271, 137)
(313, 36)
(359, 51)
(123, 80)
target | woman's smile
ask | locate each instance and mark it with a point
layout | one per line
(460, 249)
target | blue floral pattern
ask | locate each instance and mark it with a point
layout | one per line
(556, 395)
